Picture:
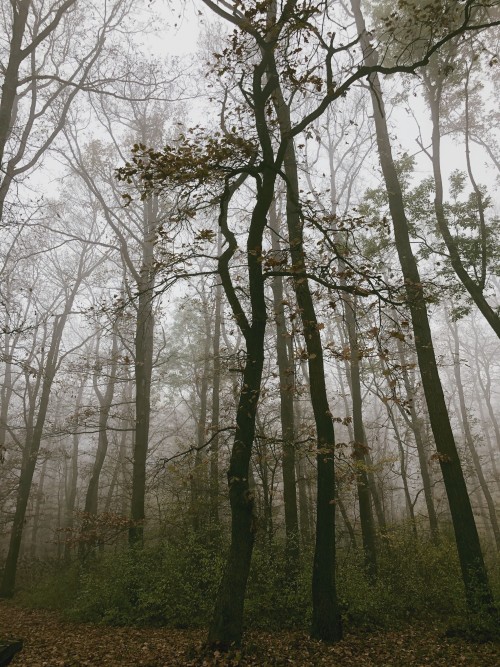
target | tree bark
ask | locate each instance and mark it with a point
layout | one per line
(30, 454)
(287, 389)
(359, 445)
(215, 416)
(144, 341)
(415, 425)
(226, 628)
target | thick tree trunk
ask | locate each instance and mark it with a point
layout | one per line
(478, 593)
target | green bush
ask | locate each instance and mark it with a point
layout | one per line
(50, 586)
(175, 584)
(416, 579)
(278, 592)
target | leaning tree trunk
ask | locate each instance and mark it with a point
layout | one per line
(30, 456)
(478, 593)
(35, 432)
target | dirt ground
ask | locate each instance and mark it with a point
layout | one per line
(50, 641)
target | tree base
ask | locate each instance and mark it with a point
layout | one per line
(8, 649)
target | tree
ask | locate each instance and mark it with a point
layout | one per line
(478, 592)
(85, 262)
(206, 168)
(44, 74)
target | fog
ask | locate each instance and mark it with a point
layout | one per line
(250, 314)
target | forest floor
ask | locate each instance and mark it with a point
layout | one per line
(50, 641)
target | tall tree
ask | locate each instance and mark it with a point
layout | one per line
(478, 593)
(86, 261)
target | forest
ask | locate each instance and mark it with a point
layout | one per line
(249, 333)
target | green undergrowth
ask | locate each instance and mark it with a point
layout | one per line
(175, 584)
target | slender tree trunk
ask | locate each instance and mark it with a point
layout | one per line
(360, 447)
(326, 620)
(287, 389)
(416, 427)
(38, 510)
(33, 440)
(144, 342)
(478, 593)
(486, 432)
(301, 475)
(105, 401)
(215, 417)
(11, 74)
(347, 522)
(367, 465)
(198, 479)
(227, 623)
(71, 478)
(469, 439)
(403, 463)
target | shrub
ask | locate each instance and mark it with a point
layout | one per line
(173, 584)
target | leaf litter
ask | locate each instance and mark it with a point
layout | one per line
(52, 641)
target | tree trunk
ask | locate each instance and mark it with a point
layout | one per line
(359, 445)
(215, 418)
(415, 425)
(478, 593)
(226, 628)
(326, 620)
(227, 622)
(34, 438)
(144, 340)
(71, 478)
(38, 510)
(287, 389)
(469, 440)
